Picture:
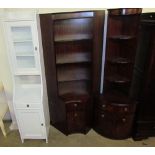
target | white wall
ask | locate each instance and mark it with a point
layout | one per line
(5, 73)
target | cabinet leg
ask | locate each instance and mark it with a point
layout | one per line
(22, 140)
(3, 128)
(46, 140)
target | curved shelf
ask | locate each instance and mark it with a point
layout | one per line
(76, 37)
(122, 37)
(119, 60)
(118, 79)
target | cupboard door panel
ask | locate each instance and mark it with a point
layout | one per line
(31, 123)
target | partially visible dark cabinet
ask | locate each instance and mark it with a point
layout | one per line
(143, 89)
(115, 109)
(72, 44)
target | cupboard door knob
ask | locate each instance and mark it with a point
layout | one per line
(27, 105)
(124, 120)
(42, 124)
(125, 109)
(102, 115)
(75, 104)
(103, 105)
(75, 114)
(35, 48)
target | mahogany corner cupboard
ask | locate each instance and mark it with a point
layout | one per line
(72, 44)
(114, 109)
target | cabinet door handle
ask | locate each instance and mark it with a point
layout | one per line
(103, 105)
(125, 109)
(27, 105)
(42, 124)
(75, 104)
(102, 115)
(35, 48)
(124, 120)
(75, 115)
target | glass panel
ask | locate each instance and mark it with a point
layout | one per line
(23, 48)
(25, 61)
(21, 33)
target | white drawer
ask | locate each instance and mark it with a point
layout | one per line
(27, 105)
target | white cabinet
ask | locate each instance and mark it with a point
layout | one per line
(29, 86)
(23, 44)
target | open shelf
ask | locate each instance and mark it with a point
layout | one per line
(66, 16)
(116, 97)
(72, 37)
(118, 79)
(73, 72)
(119, 60)
(74, 87)
(122, 37)
(63, 58)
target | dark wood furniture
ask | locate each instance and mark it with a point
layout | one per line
(115, 109)
(144, 79)
(72, 44)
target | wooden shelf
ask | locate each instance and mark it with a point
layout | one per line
(66, 16)
(119, 60)
(74, 87)
(75, 37)
(117, 79)
(73, 73)
(122, 37)
(116, 97)
(63, 58)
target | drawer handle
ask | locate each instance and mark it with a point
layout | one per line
(102, 115)
(103, 105)
(124, 120)
(125, 109)
(73, 101)
(27, 105)
(75, 115)
(75, 105)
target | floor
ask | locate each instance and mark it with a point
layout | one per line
(57, 139)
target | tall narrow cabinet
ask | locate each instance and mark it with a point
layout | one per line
(114, 110)
(72, 44)
(144, 79)
(29, 89)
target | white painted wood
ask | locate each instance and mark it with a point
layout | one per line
(30, 101)
(22, 43)
(31, 124)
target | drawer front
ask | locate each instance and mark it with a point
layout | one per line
(76, 121)
(75, 105)
(113, 125)
(27, 106)
(117, 108)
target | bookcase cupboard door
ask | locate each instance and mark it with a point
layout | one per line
(31, 124)
(21, 36)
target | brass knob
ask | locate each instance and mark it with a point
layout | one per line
(102, 115)
(75, 104)
(124, 120)
(75, 115)
(125, 109)
(103, 105)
